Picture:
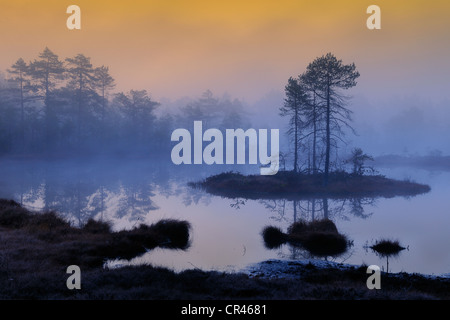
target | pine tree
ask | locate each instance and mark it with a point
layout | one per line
(105, 83)
(294, 105)
(19, 77)
(331, 76)
(46, 72)
(82, 81)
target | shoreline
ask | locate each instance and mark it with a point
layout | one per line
(36, 250)
(288, 269)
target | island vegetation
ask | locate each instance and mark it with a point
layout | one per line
(297, 186)
(319, 118)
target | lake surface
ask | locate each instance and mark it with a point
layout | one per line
(226, 233)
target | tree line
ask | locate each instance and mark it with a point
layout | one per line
(50, 105)
(67, 106)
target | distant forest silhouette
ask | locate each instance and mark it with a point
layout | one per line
(67, 107)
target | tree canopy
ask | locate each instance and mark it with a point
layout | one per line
(318, 109)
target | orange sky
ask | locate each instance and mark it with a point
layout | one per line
(243, 47)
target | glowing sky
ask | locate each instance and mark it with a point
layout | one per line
(243, 47)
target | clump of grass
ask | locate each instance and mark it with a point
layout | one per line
(127, 244)
(47, 221)
(298, 227)
(6, 203)
(322, 225)
(95, 226)
(319, 237)
(172, 233)
(273, 237)
(325, 243)
(386, 247)
(94, 242)
(12, 215)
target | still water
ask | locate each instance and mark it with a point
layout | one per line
(226, 233)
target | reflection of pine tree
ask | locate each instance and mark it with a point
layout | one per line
(136, 201)
(73, 200)
(313, 209)
(50, 196)
(357, 207)
(276, 206)
(97, 202)
(194, 196)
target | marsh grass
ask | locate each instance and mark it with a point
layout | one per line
(33, 266)
(95, 226)
(273, 237)
(386, 247)
(319, 237)
(94, 242)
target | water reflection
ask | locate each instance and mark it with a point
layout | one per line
(323, 244)
(128, 189)
(128, 193)
(386, 248)
(93, 190)
(320, 238)
(312, 209)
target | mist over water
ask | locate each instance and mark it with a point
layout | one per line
(226, 233)
(87, 152)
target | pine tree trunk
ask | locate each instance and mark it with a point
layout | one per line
(22, 113)
(328, 140)
(296, 139)
(314, 136)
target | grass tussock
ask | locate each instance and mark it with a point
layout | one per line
(320, 237)
(273, 237)
(91, 244)
(386, 247)
(95, 226)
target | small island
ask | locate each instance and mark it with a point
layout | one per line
(318, 119)
(297, 186)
